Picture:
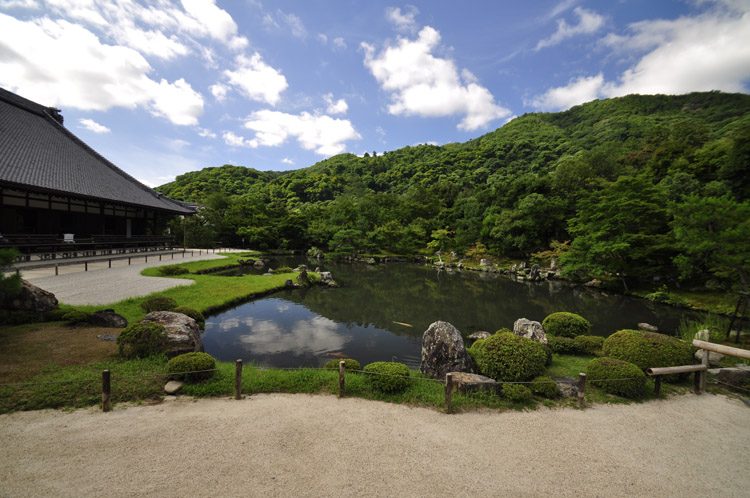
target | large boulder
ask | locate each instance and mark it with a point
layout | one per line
(183, 332)
(32, 298)
(443, 351)
(530, 329)
(108, 318)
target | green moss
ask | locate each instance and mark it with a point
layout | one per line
(617, 377)
(77, 316)
(588, 344)
(191, 367)
(392, 379)
(508, 357)
(158, 303)
(564, 324)
(349, 364)
(171, 270)
(544, 387)
(516, 393)
(141, 339)
(561, 345)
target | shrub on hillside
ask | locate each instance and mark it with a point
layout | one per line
(141, 339)
(544, 386)
(191, 367)
(564, 324)
(617, 377)
(516, 393)
(505, 356)
(158, 304)
(192, 313)
(392, 381)
(173, 270)
(648, 349)
(588, 344)
(349, 364)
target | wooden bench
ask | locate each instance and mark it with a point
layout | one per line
(659, 371)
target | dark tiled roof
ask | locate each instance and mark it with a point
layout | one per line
(38, 152)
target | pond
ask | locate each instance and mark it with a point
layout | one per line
(381, 311)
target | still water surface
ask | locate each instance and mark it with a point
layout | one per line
(380, 313)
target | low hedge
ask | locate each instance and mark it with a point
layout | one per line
(505, 356)
(191, 367)
(158, 304)
(544, 387)
(349, 364)
(648, 349)
(173, 270)
(564, 324)
(562, 345)
(73, 317)
(516, 393)
(617, 377)
(588, 344)
(392, 381)
(141, 339)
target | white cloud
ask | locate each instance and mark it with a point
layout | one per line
(214, 22)
(323, 134)
(577, 91)
(237, 141)
(92, 125)
(205, 133)
(177, 144)
(424, 85)
(256, 79)
(219, 91)
(20, 4)
(402, 21)
(294, 23)
(150, 42)
(338, 107)
(339, 43)
(588, 22)
(702, 53)
(38, 65)
(286, 160)
(322, 38)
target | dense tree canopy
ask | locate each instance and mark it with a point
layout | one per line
(620, 178)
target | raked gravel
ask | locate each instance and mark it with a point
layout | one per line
(318, 445)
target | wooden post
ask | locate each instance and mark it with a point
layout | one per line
(159, 257)
(56, 269)
(657, 385)
(342, 378)
(703, 374)
(448, 391)
(238, 380)
(128, 260)
(146, 258)
(581, 390)
(85, 266)
(106, 390)
(110, 262)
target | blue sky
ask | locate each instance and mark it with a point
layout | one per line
(164, 87)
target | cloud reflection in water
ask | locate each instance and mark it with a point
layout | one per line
(314, 335)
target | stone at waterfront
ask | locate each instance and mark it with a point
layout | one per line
(647, 327)
(371, 261)
(534, 273)
(173, 386)
(108, 318)
(485, 262)
(465, 382)
(183, 332)
(593, 283)
(481, 334)
(736, 376)
(443, 351)
(32, 298)
(288, 283)
(302, 278)
(713, 358)
(259, 264)
(567, 386)
(530, 329)
(107, 337)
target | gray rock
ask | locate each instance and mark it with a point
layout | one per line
(567, 386)
(371, 261)
(485, 262)
(289, 283)
(481, 334)
(173, 386)
(259, 264)
(302, 278)
(534, 273)
(647, 327)
(108, 318)
(107, 337)
(443, 351)
(465, 382)
(713, 358)
(183, 332)
(703, 335)
(596, 283)
(32, 298)
(530, 329)
(739, 377)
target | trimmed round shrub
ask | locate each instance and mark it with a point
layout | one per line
(190, 367)
(648, 349)
(56, 315)
(588, 344)
(548, 355)
(76, 316)
(192, 313)
(349, 364)
(564, 324)
(158, 304)
(509, 357)
(616, 377)
(561, 345)
(544, 387)
(515, 392)
(141, 339)
(387, 383)
(173, 270)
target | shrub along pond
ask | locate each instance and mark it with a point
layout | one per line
(381, 311)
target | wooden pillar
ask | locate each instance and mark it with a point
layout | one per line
(581, 390)
(342, 378)
(448, 391)
(238, 380)
(657, 385)
(106, 390)
(704, 373)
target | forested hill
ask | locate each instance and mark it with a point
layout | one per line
(514, 190)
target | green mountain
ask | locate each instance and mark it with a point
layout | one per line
(541, 177)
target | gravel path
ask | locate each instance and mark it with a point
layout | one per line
(301, 445)
(102, 285)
